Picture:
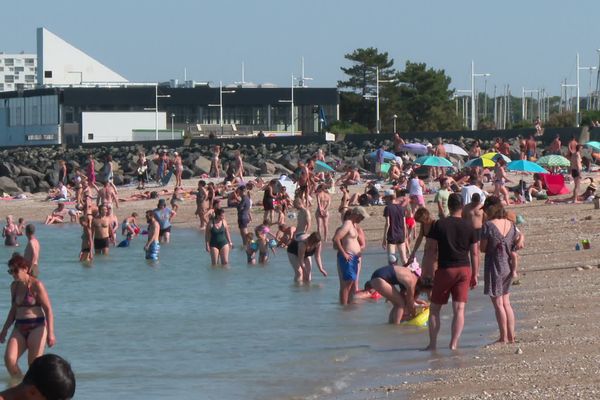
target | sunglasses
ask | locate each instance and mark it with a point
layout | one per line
(12, 271)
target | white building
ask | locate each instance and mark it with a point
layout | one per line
(17, 71)
(63, 64)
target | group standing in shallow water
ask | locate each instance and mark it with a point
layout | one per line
(449, 266)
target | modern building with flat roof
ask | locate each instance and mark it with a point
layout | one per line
(54, 115)
(77, 99)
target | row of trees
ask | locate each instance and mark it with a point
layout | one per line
(419, 97)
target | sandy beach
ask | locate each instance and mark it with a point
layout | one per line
(557, 354)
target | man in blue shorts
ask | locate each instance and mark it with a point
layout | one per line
(349, 253)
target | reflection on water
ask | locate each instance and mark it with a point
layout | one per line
(183, 329)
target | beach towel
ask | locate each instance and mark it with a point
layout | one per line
(555, 184)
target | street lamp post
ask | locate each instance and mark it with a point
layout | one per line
(378, 122)
(156, 96)
(394, 117)
(579, 68)
(291, 101)
(172, 129)
(523, 106)
(220, 105)
(473, 75)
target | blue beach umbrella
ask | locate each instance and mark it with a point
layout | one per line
(525, 166)
(593, 145)
(386, 155)
(321, 166)
(433, 161)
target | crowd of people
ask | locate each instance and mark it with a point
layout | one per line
(466, 220)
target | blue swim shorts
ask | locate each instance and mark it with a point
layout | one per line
(348, 269)
(152, 252)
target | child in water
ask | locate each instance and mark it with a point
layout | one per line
(265, 241)
(251, 248)
(176, 198)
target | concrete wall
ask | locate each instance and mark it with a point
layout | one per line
(359, 139)
(108, 127)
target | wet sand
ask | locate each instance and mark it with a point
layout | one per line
(557, 354)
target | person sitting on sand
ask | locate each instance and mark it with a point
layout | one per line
(536, 188)
(61, 193)
(57, 216)
(385, 279)
(351, 177)
(586, 197)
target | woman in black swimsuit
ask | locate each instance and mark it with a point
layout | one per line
(299, 253)
(31, 313)
(385, 279)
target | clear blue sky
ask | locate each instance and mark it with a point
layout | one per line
(529, 43)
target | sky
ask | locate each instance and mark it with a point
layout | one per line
(522, 43)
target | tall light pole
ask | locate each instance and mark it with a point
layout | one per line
(394, 117)
(523, 107)
(473, 75)
(172, 129)
(291, 101)
(579, 68)
(220, 105)
(378, 122)
(156, 96)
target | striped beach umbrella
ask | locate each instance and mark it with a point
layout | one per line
(554, 161)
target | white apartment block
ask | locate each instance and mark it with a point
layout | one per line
(17, 71)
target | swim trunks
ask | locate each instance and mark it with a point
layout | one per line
(152, 252)
(348, 269)
(451, 281)
(100, 243)
(575, 173)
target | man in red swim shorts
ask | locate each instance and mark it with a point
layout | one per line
(458, 267)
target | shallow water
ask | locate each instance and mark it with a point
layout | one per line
(183, 329)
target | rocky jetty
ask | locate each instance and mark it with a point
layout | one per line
(35, 169)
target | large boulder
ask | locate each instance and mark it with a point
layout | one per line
(36, 175)
(6, 169)
(266, 168)
(42, 187)
(186, 173)
(9, 186)
(201, 165)
(250, 170)
(26, 183)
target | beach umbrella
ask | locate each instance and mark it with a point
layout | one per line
(415, 148)
(494, 156)
(433, 161)
(525, 166)
(553, 161)
(593, 145)
(321, 166)
(386, 155)
(480, 162)
(454, 149)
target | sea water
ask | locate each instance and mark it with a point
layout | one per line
(182, 329)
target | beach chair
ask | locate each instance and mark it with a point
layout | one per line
(555, 184)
